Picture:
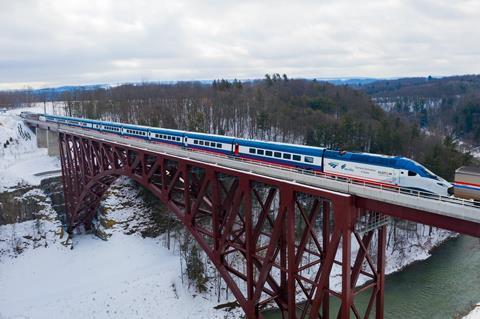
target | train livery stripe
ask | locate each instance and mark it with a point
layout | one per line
(475, 188)
(363, 180)
(467, 184)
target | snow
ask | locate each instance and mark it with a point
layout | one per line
(43, 231)
(128, 277)
(21, 160)
(475, 313)
(124, 277)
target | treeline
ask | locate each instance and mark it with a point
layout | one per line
(17, 98)
(427, 87)
(276, 108)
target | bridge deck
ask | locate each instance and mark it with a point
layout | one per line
(455, 208)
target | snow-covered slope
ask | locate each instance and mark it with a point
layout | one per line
(21, 159)
(124, 277)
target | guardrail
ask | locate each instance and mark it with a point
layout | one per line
(351, 181)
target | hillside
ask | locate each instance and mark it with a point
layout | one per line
(448, 106)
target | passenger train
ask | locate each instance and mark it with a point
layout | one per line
(388, 171)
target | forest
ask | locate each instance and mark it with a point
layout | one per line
(301, 111)
(448, 106)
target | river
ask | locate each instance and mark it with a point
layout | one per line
(442, 287)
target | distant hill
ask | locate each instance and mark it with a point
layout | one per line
(423, 86)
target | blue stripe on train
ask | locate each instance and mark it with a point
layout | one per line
(467, 187)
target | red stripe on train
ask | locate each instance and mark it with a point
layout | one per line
(469, 184)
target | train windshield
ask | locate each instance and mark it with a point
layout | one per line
(428, 173)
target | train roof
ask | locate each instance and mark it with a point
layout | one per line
(132, 126)
(367, 158)
(469, 170)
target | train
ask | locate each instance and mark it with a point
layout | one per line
(367, 168)
(467, 183)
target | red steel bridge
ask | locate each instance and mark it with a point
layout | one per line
(276, 236)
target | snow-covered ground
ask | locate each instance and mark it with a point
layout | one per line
(124, 277)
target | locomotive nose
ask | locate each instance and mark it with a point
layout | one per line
(450, 190)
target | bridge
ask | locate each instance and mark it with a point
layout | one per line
(274, 234)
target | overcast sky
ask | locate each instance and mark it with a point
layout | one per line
(51, 43)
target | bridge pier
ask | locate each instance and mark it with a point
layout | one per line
(49, 140)
(41, 137)
(52, 143)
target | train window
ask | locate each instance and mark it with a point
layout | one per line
(410, 173)
(178, 139)
(260, 152)
(268, 153)
(251, 151)
(207, 143)
(201, 142)
(287, 156)
(195, 141)
(277, 154)
(297, 158)
(219, 145)
(308, 159)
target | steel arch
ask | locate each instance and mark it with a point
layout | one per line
(286, 235)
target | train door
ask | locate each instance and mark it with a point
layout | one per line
(185, 141)
(236, 149)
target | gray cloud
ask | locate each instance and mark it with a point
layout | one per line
(55, 42)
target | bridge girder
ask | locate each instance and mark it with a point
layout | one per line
(272, 241)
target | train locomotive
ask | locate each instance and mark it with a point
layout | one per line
(371, 169)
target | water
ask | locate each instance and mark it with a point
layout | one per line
(441, 287)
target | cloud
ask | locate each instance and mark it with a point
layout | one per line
(55, 42)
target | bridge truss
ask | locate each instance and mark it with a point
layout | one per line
(274, 242)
